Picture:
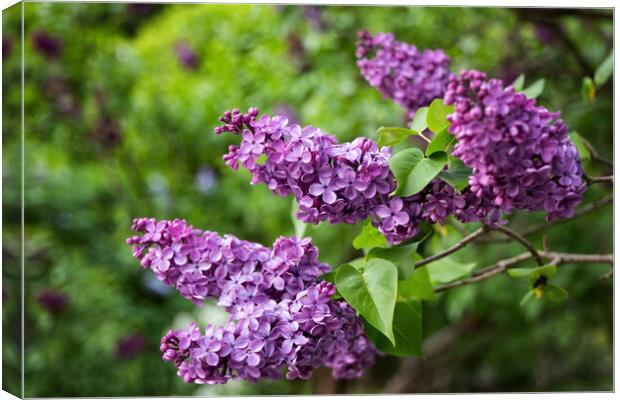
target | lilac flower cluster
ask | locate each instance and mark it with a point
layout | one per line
(281, 313)
(410, 77)
(520, 153)
(333, 182)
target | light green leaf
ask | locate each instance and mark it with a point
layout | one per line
(583, 151)
(389, 136)
(518, 83)
(422, 173)
(436, 117)
(417, 286)
(555, 293)
(404, 161)
(358, 263)
(401, 256)
(546, 270)
(419, 120)
(535, 89)
(300, 227)
(447, 270)
(529, 296)
(604, 71)
(369, 237)
(588, 90)
(457, 174)
(371, 292)
(407, 331)
(441, 142)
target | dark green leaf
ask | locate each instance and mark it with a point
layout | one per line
(419, 120)
(407, 331)
(535, 89)
(391, 136)
(371, 292)
(584, 153)
(417, 286)
(457, 174)
(422, 173)
(604, 71)
(369, 237)
(401, 256)
(441, 142)
(518, 83)
(436, 117)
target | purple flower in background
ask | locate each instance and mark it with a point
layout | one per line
(186, 55)
(46, 44)
(401, 72)
(544, 33)
(52, 300)
(314, 16)
(206, 179)
(140, 9)
(128, 347)
(281, 313)
(7, 47)
(520, 153)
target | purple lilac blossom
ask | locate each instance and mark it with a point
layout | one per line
(520, 153)
(47, 45)
(52, 300)
(401, 72)
(186, 56)
(281, 313)
(130, 346)
(333, 182)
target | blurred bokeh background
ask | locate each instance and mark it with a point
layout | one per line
(120, 105)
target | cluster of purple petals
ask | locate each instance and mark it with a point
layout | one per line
(331, 181)
(186, 56)
(334, 182)
(281, 313)
(520, 153)
(401, 72)
(52, 300)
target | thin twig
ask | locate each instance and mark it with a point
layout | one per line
(462, 243)
(594, 154)
(590, 180)
(595, 205)
(502, 265)
(526, 243)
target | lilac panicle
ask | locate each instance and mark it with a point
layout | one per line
(334, 182)
(281, 313)
(401, 72)
(520, 153)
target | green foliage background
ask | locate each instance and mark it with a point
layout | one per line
(116, 128)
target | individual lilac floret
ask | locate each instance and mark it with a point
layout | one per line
(410, 77)
(281, 314)
(520, 153)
